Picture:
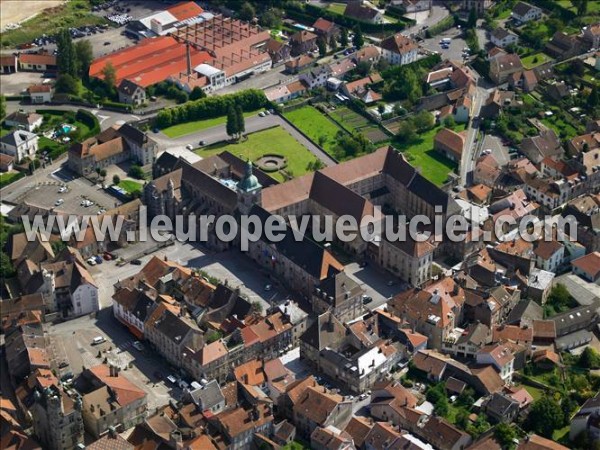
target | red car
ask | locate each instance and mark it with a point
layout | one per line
(107, 256)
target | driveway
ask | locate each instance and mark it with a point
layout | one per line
(253, 124)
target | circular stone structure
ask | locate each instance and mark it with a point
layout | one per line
(271, 163)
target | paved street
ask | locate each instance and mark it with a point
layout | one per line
(253, 124)
(471, 149)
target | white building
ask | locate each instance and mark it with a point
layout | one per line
(503, 38)
(24, 120)
(399, 49)
(524, 12)
(19, 144)
(501, 357)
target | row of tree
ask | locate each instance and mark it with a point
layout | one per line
(209, 107)
(236, 123)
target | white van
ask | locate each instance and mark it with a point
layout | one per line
(98, 340)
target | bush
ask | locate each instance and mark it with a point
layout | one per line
(90, 120)
(209, 107)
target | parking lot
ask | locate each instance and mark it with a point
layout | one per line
(45, 194)
(73, 343)
(454, 51)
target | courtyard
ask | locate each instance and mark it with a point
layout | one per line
(275, 142)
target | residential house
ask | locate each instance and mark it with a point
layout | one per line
(469, 342)
(501, 357)
(480, 6)
(524, 12)
(8, 64)
(316, 77)
(576, 319)
(283, 93)
(297, 317)
(558, 90)
(239, 425)
(326, 29)
(110, 399)
(496, 102)
(6, 163)
(303, 42)
(37, 62)
(413, 6)
(19, 144)
(526, 80)
(278, 51)
(432, 311)
(501, 408)
(131, 93)
(591, 35)
(588, 267)
(369, 53)
(502, 38)
(132, 307)
(363, 12)
(27, 121)
(504, 65)
(587, 419)
(318, 408)
(40, 93)
(330, 438)
(399, 49)
(389, 401)
(299, 63)
(208, 397)
(563, 46)
(450, 144)
(57, 420)
(549, 255)
(546, 144)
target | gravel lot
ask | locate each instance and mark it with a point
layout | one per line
(17, 83)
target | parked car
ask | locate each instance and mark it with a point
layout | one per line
(91, 261)
(98, 340)
(202, 143)
(98, 259)
(172, 379)
(63, 364)
(138, 346)
(67, 377)
(136, 262)
(59, 202)
(366, 299)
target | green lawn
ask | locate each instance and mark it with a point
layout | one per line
(9, 177)
(54, 148)
(558, 435)
(74, 13)
(338, 8)
(536, 393)
(420, 153)
(272, 141)
(191, 127)
(537, 59)
(130, 186)
(316, 126)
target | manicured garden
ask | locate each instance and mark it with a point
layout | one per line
(182, 129)
(337, 8)
(276, 141)
(420, 153)
(130, 186)
(316, 126)
(534, 60)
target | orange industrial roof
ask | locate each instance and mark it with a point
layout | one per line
(185, 10)
(151, 61)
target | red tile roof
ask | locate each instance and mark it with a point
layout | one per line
(589, 264)
(32, 58)
(185, 10)
(151, 61)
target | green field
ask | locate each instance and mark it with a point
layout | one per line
(272, 141)
(536, 393)
(316, 126)
(75, 13)
(9, 177)
(529, 62)
(338, 8)
(130, 186)
(420, 153)
(182, 129)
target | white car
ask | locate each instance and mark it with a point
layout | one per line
(189, 147)
(91, 261)
(62, 189)
(59, 202)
